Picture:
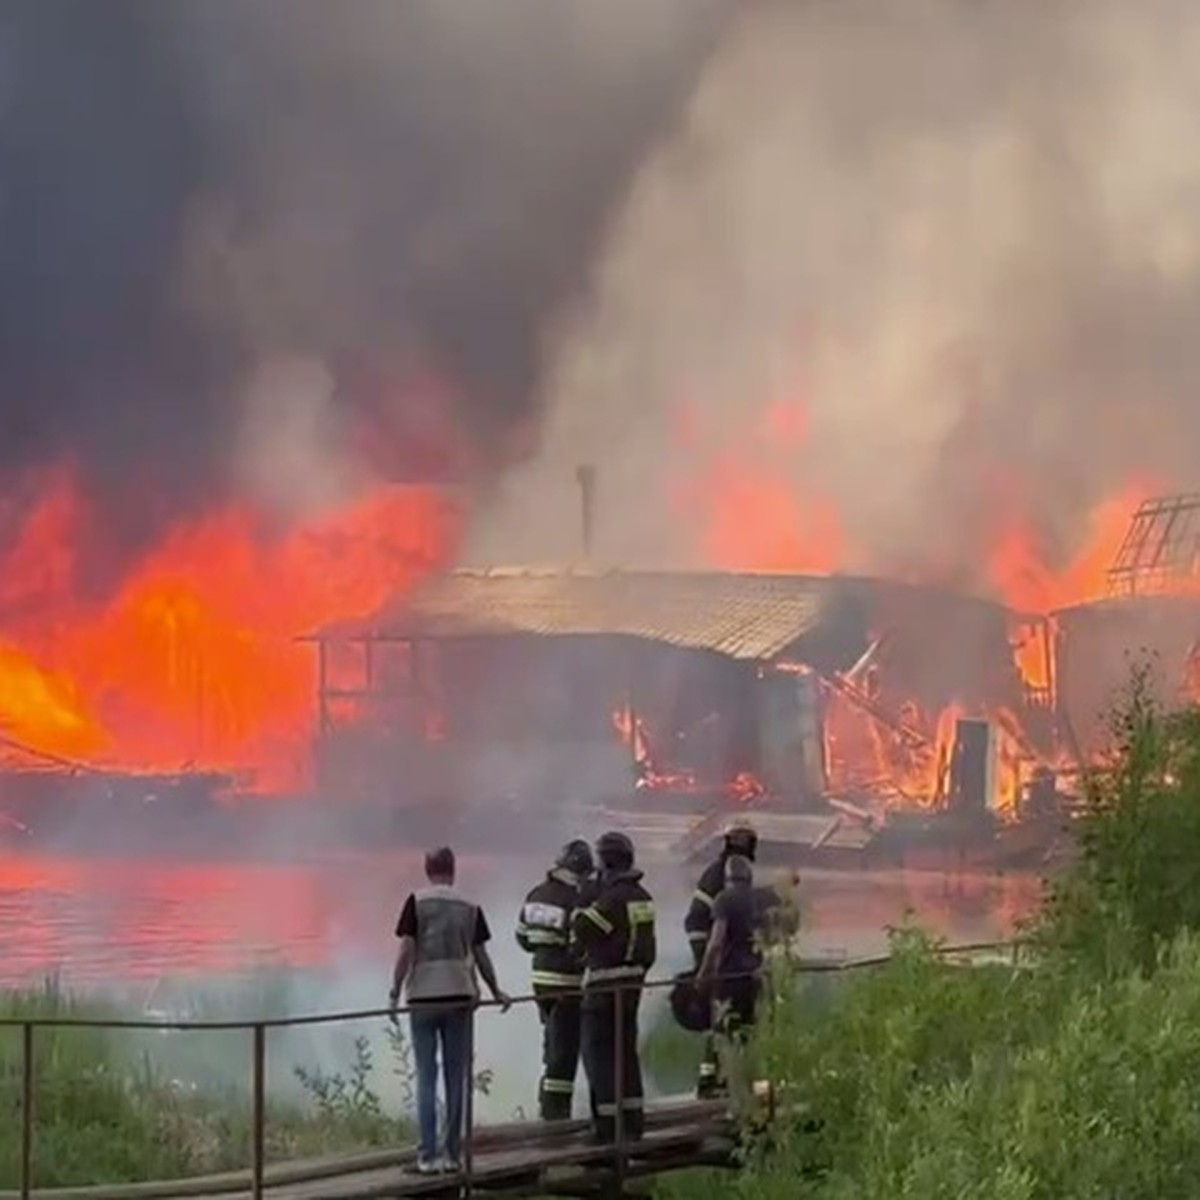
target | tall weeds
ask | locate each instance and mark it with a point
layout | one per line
(119, 1107)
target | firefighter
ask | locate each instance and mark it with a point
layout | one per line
(742, 915)
(615, 935)
(544, 931)
(740, 840)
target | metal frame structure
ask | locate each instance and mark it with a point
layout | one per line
(621, 1149)
(1161, 547)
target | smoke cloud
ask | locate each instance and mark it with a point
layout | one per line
(192, 191)
(964, 236)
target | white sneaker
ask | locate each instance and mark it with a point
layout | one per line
(429, 1166)
(451, 1166)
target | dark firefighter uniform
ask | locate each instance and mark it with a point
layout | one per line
(740, 839)
(544, 931)
(615, 934)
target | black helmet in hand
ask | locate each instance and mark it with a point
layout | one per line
(690, 1005)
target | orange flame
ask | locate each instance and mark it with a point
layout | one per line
(1025, 582)
(745, 500)
(191, 661)
(633, 733)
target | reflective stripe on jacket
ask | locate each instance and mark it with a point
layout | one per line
(544, 931)
(698, 922)
(616, 932)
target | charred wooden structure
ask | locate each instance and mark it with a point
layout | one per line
(660, 692)
(1151, 612)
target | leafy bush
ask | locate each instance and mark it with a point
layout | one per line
(1075, 1076)
(1133, 887)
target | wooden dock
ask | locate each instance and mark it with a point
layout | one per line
(522, 1159)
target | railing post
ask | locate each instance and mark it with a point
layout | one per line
(258, 1115)
(468, 1109)
(619, 1081)
(26, 1109)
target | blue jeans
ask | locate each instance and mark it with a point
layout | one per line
(452, 1029)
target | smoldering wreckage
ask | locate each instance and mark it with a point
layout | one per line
(861, 722)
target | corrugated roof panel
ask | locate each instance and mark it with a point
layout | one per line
(743, 616)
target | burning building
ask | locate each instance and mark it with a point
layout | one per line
(1152, 609)
(851, 713)
(650, 693)
(810, 296)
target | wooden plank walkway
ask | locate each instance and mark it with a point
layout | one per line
(525, 1158)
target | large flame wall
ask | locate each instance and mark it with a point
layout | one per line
(189, 660)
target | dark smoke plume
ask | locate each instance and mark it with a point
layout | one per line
(189, 190)
(961, 237)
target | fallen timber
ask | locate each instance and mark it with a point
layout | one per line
(519, 1159)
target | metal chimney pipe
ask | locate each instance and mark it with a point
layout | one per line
(585, 474)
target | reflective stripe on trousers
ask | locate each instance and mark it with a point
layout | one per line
(607, 1014)
(561, 1022)
(629, 1104)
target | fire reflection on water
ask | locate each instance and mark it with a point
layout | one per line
(113, 921)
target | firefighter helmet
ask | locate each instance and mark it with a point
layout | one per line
(741, 838)
(576, 856)
(615, 851)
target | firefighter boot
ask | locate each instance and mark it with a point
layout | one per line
(709, 1085)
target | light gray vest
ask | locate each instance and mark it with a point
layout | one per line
(444, 962)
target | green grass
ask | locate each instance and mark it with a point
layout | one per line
(114, 1106)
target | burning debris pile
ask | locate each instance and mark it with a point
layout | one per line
(648, 776)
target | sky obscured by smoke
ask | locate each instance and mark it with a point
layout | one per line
(190, 191)
(964, 236)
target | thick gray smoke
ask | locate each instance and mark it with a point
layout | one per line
(963, 236)
(192, 191)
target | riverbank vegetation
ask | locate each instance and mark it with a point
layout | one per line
(117, 1106)
(1073, 1072)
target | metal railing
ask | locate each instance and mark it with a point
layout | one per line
(259, 1030)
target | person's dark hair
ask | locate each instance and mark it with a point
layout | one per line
(439, 863)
